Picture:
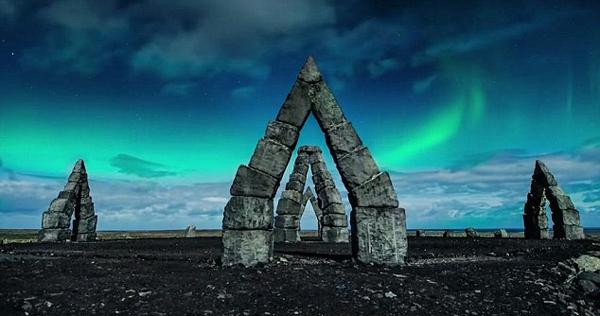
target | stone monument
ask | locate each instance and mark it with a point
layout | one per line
(565, 217)
(74, 200)
(378, 224)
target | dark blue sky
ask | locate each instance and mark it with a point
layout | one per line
(167, 95)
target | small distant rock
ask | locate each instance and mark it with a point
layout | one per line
(588, 263)
(471, 232)
(190, 231)
(419, 233)
(501, 233)
(390, 294)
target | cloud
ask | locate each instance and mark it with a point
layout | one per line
(243, 92)
(491, 193)
(177, 89)
(142, 168)
(119, 204)
(474, 41)
(424, 84)
(8, 9)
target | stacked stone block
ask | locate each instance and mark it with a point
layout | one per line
(334, 224)
(74, 200)
(289, 208)
(565, 216)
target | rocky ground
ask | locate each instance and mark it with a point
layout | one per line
(443, 276)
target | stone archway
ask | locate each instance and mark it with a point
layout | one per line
(378, 224)
(564, 215)
(74, 201)
(333, 224)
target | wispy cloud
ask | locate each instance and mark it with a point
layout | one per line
(128, 164)
(177, 88)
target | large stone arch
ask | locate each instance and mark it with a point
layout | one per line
(565, 217)
(333, 224)
(378, 224)
(74, 201)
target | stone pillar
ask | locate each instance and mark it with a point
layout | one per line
(334, 223)
(534, 215)
(378, 224)
(74, 200)
(289, 208)
(248, 216)
(565, 218)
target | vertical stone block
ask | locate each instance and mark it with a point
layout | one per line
(271, 158)
(247, 247)
(379, 235)
(357, 168)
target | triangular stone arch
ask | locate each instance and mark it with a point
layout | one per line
(309, 196)
(378, 224)
(333, 224)
(74, 200)
(565, 216)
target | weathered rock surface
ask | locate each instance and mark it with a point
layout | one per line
(287, 221)
(247, 247)
(334, 234)
(379, 235)
(357, 168)
(376, 192)
(286, 235)
(283, 133)
(335, 220)
(501, 233)
(251, 182)
(471, 232)
(244, 212)
(271, 157)
(190, 231)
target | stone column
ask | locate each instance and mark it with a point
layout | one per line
(289, 208)
(378, 224)
(534, 215)
(248, 216)
(564, 215)
(334, 222)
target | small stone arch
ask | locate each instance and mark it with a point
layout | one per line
(378, 232)
(333, 223)
(565, 216)
(74, 202)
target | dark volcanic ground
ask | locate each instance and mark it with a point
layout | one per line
(444, 276)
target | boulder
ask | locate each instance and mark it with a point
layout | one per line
(293, 195)
(87, 225)
(376, 192)
(190, 231)
(333, 209)
(247, 247)
(287, 221)
(501, 233)
(542, 175)
(379, 235)
(324, 106)
(334, 220)
(471, 232)
(286, 235)
(357, 168)
(288, 207)
(296, 108)
(251, 182)
(328, 196)
(282, 133)
(55, 220)
(53, 235)
(271, 158)
(342, 139)
(244, 212)
(334, 234)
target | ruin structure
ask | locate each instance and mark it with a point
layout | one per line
(378, 224)
(74, 201)
(565, 217)
(333, 225)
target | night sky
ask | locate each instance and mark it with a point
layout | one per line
(164, 99)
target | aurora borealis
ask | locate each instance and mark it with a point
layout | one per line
(163, 100)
